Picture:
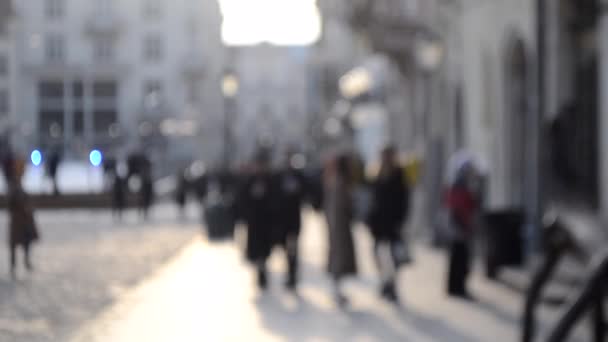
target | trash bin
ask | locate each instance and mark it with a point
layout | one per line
(219, 219)
(504, 240)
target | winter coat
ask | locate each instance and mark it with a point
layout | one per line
(22, 227)
(390, 204)
(256, 208)
(339, 214)
(462, 206)
(291, 189)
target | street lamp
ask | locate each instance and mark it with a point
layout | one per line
(230, 86)
(230, 89)
(429, 54)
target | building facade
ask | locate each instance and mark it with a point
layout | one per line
(273, 104)
(7, 67)
(107, 74)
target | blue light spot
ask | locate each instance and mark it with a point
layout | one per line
(36, 157)
(96, 158)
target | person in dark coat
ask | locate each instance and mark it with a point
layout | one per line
(181, 192)
(146, 192)
(390, 197)
(52, 166)
(22, 227)
(462, 205)
(291, 192)
(119, 195)
(339, 214)
(256, 208)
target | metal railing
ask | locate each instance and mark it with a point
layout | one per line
(591, 297)
(558, 243)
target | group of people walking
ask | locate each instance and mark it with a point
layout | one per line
(269, 201)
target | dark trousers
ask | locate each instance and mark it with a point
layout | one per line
(26, 256)
(459, 267)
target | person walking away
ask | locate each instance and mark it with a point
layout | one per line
(146, 192)
(256, 207)
(119, 195)
(181, 192)
(462, 206)
(22, 227)
(389, 210)
(52, 168)
(339, 214)
(291, 192)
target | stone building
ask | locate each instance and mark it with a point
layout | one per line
(108, 74)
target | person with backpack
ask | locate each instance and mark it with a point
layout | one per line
(462, 204)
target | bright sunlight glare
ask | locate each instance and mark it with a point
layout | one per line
(279, 22)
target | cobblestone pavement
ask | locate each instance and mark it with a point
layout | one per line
(84, 262)
(206, 293)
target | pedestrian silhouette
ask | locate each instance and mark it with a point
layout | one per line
(339, 214)
(389, 209)
(52, 167)
(22, 227)
(291, 189)
(256, 208)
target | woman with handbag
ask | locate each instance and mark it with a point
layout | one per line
(389, 210)
(22, 226)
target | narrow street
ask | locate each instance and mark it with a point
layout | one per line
(206, 293)
(83, 263)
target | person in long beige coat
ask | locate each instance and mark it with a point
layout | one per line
(339, 215)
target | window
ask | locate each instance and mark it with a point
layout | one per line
(193, 91)
(153, 50)
(4, 102)
(3, 65)
(153, 94)
(103, 49)
(51, 89)
(54, 9)
(54, 48)
(153, 9)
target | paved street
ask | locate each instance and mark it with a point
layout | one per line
(205, 294)
(84, 263)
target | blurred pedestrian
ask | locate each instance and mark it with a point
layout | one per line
(22, 228)
(181, 192)
(119, 195)
(389, 210)
(52, 166)
(110, 168)
(339, 214)
(8, 163)
(146, 192)
(256, 207)
(462, 205)
(291, 192)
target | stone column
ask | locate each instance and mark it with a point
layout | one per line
(68, 113)
(88, 114)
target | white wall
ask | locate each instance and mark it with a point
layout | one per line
(487, 29)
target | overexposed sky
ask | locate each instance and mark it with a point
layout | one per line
(280, 22)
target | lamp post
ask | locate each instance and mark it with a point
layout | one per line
(230, 89)
(429, 55)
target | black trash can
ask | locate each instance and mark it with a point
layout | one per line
(220, 220)
(504, 240)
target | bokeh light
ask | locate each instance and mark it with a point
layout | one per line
(96, 158)
(36, 157)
